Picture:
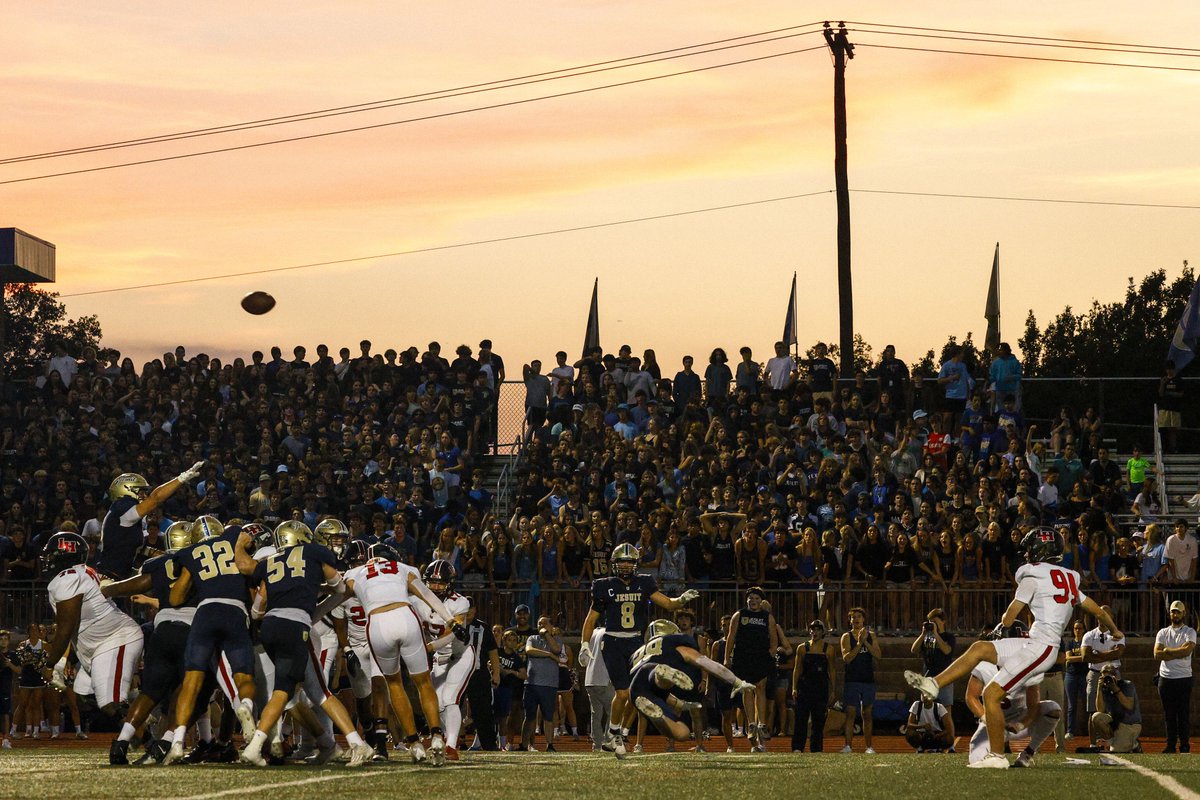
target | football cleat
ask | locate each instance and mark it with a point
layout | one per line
(275, 748)
(637, 749)
(416, 751)
(870, 751)
(327, 754)
(245, 716)
(305, 751)
(223, 753)
(452, 753)
(990, 761)
(619, 746)
(674, 677)
(648, 708)
(118, 753)
(926, 686)
(174, 754)
(381, 748)
(607, 745)
(198, 753)
(253, 755)
(360, 754)
(437, 750)
(1024, 761)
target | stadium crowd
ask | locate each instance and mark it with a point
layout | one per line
(774, 475)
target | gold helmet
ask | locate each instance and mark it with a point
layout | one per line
(292, 532)
(660, 627)
(624, 560)
(331, 532)
(179, 535)
(128, 484)
(207, 527)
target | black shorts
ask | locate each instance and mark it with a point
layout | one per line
(286, 644)
(753, 667)
(5, 705)
(162, 669)
(565, 680)
(617, 652)
(217, 628)
(642, 685)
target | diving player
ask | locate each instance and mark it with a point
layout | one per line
(1051, 592)
(121, 530)
(666, 673)
(291, 580)
(621, 603)
(453, 660)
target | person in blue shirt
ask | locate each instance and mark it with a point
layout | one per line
(1004, 378)
(958, 384)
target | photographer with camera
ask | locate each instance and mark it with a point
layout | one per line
(930, 727)
(935, 645)
(1118, 717)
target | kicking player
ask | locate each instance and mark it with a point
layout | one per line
(220, 625)
(666, 672)
(453, 660)
(1025, 714)
(107, 642)
(1051, 592)
(621, 604)
(290, 581)
(383, 585)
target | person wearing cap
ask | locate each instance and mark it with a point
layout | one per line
(1100, 650)
(1173, 646)
(1118, 716)
(260, 497)
(812, 678)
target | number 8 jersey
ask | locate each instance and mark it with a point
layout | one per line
(1051, 592)
(381, 583)
(623, 607)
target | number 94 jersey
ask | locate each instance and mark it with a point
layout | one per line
(623, 607)
(1051, 592)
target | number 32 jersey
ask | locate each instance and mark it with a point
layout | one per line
(623, 607)
(1052, 593)
(381, 583)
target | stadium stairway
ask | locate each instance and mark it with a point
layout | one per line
(1182, 477)
(493, 468)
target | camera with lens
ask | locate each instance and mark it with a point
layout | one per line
(1108, 683)
(927, 626)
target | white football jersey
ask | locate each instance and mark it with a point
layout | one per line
(102, 626)
(355, 615)
(381, 583)
(1051, 592)
(435, 626)
(1014, 704)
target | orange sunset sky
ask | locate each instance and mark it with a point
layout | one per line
(75, 75)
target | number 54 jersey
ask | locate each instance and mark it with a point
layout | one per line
(1052, 593)
(623, 607)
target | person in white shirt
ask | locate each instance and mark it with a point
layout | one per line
(781, 369)
(1173, 646)
(1051, 592)
(562, 373)
(65, 365)
(1179, 556)
(930, 727)
(1099, 649)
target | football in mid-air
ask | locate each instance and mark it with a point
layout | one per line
(258, 303)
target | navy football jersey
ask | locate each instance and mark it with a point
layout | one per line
(163, 572)
(665, 650)
(294, 575)
(623, 607)
(120, 538)
(214, 568)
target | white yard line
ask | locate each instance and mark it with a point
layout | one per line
(1165, 781)
(268, 786)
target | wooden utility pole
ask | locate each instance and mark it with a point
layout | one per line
(842, 51)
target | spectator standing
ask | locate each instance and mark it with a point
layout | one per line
(1075, 681)
(822, 373)
(1118, 717)
(686, 384)
(1100, 650)
(563, 373)
(781, 369)
(957, 383)
(66, 366)
(747, 372)
(1173, 646)
(892, 374)
(1179, 559)
(935, 645)
(542, 650)
(811, 681)
(717, 377)
(599, 690)
(860, 649)
(482, 681)
(9, 670)
(1170, 407)
(1004, 379)
(537, 395)
(1136, 468)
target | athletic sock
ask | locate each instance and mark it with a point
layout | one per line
(354, 739)
(168, 736)
(180, 732)
(204, 728)
(257, 741)
(127, 732)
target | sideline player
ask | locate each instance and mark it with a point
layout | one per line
(121, 530)
(453, 660)
(750, 647)
(1026, 713)
(621, 604)
(666, 672)
(107, 642)
(383, 585)
(1051, 592)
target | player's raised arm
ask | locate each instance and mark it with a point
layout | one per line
(1103, 617)
(674, 603)
(161, 493)
(138, 584)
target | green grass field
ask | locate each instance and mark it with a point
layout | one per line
(84, 773)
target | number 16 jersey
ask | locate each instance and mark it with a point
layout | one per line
(623, 607)
(1052, 593)
(381, 583)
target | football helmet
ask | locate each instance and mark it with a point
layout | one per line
(179, 535)
(439, 576)
(128, 484)
(207, 527)
(660, 627)
(260, 534)
(64, 550)
(384, 551)
(334, 534)
(292, 532)
(624, 560)
(1043, 544)
(357, 552)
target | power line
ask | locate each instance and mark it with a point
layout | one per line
(455, 245)
(425, 118)
(1094, 48)
(441, 94)
(1022, 36)
(1028, 58)
(1027, 199)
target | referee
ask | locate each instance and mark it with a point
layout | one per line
(1173, 646)
(481, 682)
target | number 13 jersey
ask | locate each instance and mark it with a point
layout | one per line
(381, 583)
(1051, 592)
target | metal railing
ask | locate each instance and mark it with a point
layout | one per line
(1159, 468)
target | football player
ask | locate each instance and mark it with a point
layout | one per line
(350, 622)
(1025, 713)
(666, 674)
(453, 660)
(290, 582)
(1051, 592)
(621, 603)
(107, 642)
(220, 624)
(383, 585)
(121, 530)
